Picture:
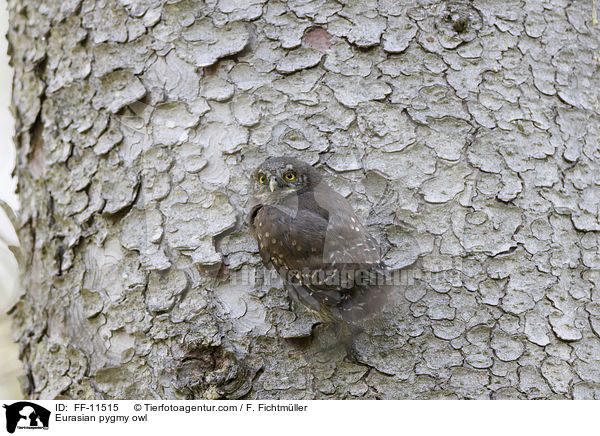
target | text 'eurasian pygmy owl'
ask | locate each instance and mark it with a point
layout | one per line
(310, 234)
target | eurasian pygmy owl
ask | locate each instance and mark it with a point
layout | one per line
(310, 234)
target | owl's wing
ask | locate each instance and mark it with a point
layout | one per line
(351, 252)
(347, 241)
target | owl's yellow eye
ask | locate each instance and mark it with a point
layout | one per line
(262, 178)
(290, 175)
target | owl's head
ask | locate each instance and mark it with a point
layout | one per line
(281, 175)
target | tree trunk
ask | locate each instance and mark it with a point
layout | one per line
(465, 134)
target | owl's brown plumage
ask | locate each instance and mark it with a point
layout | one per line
(310, 234)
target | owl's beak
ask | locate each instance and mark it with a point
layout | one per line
(273, 184)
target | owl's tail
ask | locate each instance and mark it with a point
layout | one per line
(360, 297)
(363, 300)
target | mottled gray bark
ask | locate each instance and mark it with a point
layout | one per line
(465, 134)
